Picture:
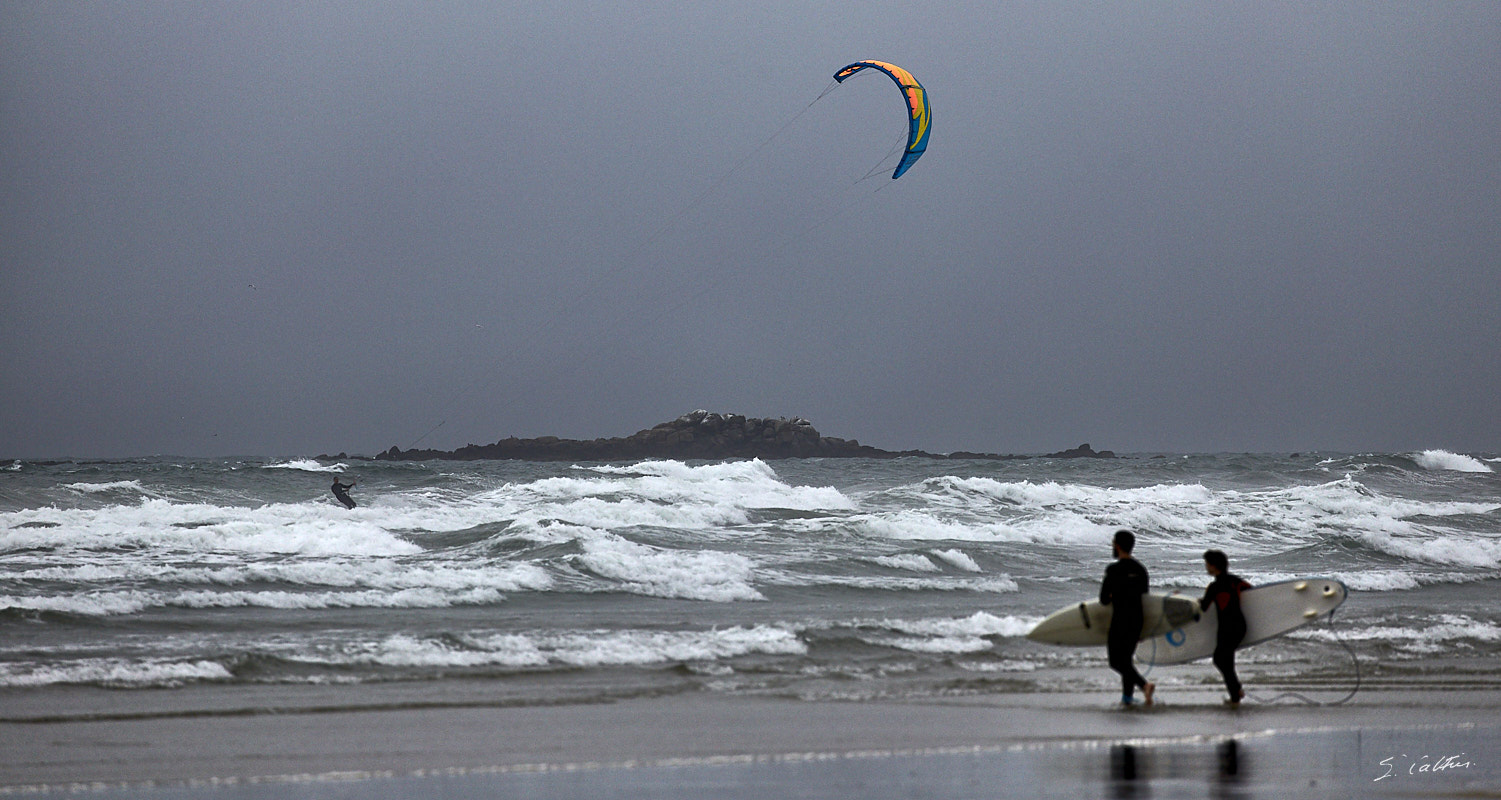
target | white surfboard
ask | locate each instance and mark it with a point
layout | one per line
(1084, 624)
(1271, 610)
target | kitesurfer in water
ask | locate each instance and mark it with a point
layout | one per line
(1125, 583)
(341, 491)
(1224, 592)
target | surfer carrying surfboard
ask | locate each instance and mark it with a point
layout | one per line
(1224, 593)
(1125, 582)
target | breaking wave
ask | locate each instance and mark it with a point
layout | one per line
(1454, 462)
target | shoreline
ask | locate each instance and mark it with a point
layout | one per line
(273, 737)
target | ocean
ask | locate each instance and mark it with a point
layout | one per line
(839, 579)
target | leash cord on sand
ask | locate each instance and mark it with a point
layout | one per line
(1354, 663)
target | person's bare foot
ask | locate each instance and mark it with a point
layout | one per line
(1147, 691)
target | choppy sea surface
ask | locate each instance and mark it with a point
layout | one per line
(843, 578)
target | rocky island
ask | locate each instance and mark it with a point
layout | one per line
(699, 435)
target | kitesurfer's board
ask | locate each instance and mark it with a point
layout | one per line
(1271, 610)
(1089, 623)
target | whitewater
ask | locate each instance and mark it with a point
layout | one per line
(840, 579)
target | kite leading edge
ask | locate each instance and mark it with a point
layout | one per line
(917, 107)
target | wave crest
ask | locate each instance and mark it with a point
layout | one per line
(308, 465)
(1453, 462)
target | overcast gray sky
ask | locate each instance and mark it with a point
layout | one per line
(280, 228)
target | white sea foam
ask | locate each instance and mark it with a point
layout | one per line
(980, 623)
(1376, 580)
(1455, 549)
(657, 572)
(1009, 665)
(380, 574)
(746, 484)
(932, 644)
(1259, 522)
(628, 647)
(913, 524)
(944, 635)
(958, 558)
(650, 647)
(402, 598)
(710, 499)
(985, 509)
(403, 650)
(100, 604)
(986, 494)
(990, 584)
(1454, 462)
(922, 525)
(1438, 634)
(115, 603)
(112, 672)
(110, 486)
(909, 561)
(308, 465)
(367, 583)
(630, 512)
(156, 524)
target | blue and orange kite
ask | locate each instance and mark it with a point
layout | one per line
(917, 106)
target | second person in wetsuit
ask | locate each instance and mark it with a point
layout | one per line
(1224, 592)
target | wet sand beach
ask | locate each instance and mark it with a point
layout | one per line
(404, 741)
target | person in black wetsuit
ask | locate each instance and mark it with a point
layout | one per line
(1125, 582)
(341, 491)
(1224, 592)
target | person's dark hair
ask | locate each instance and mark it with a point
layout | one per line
(1126, 541)
(1217, 559)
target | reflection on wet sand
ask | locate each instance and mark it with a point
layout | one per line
(1133, 769)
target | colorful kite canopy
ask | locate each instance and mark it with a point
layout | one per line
(917, 106)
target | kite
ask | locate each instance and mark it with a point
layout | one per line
(917, 107)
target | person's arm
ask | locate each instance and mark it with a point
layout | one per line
(1105, 589)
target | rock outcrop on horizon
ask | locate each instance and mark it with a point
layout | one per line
(697, 435)
(1082, 451)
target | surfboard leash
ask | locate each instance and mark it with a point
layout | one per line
(1354, 663)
